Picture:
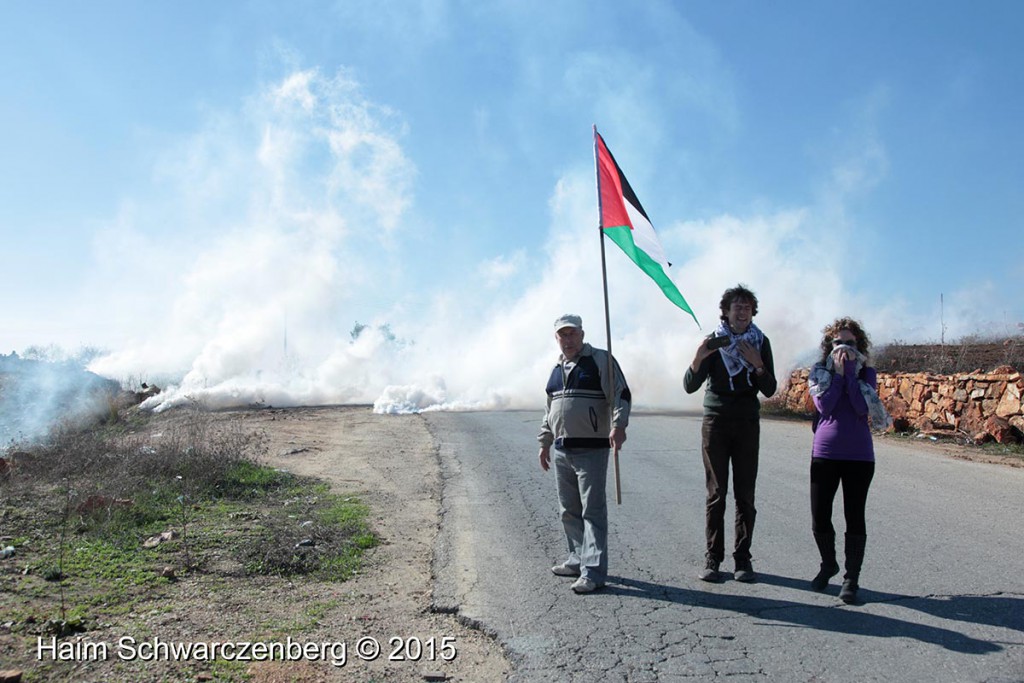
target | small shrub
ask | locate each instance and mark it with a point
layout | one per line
(323, 535)
(244, 479)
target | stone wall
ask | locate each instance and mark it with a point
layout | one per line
(982, 405)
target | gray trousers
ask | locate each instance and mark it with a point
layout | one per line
(581, 475)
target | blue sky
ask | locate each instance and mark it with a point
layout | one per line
(214, 193)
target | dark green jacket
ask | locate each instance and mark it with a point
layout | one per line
(740, 399)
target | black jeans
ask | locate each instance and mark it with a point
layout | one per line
(726, 440)
(826, 475)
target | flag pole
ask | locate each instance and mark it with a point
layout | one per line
(611, 373)
(607, 325)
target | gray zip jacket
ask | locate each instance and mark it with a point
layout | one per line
(577, 414)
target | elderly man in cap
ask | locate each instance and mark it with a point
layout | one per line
(582, 425)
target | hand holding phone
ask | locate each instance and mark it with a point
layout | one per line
(718, 342)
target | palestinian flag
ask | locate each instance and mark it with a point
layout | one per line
(624, 221)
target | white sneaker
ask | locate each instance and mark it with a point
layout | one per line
(566, 569)
(585, 585)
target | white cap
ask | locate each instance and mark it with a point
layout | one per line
(569, 320)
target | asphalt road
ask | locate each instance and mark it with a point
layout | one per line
(942, 583)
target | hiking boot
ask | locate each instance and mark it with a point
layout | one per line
(585, 585)
(744, 572)
(710, 572)
(566, 569)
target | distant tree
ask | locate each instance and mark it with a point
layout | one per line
(47, 353)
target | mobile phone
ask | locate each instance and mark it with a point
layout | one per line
(718, 342)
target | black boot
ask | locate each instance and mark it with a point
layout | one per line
(854, 559)
(829, 566)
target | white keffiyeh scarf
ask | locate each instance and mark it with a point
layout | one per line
(734, 361)
(820, 378)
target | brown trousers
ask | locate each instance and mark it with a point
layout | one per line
(724, 441)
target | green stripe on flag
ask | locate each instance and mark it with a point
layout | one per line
(623, 236)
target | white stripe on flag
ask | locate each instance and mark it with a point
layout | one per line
(644, 236)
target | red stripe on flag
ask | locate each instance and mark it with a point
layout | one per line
(609, 187)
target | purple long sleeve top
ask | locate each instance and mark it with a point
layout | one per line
(843, 432)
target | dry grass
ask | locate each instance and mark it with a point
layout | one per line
(191, 456)
(79, 508)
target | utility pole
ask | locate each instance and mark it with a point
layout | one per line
(942, 321)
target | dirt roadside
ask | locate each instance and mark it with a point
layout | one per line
(390, 463)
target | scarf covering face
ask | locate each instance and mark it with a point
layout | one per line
(734, 361)
(820, 378)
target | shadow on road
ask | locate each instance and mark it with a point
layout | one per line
(1000, 611)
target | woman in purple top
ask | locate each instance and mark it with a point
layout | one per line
(842, 386)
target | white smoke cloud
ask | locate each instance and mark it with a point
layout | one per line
(256, 315)
(263, 302)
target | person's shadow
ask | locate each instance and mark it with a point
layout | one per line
(994, 610)
(1003, 611)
